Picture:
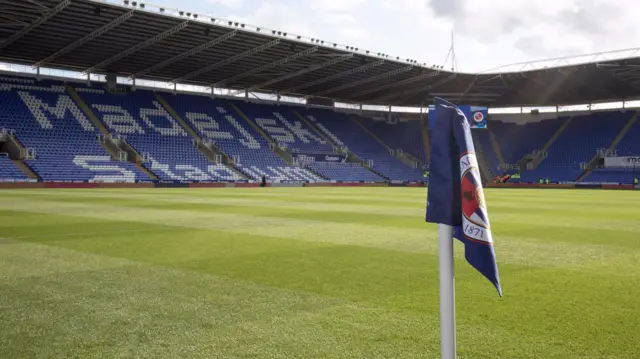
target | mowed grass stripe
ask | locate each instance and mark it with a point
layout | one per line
(544, 230)
(511, 250)
(416, 198)
(502, 230)
(602, 218)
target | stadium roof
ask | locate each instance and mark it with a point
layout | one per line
(144, 41)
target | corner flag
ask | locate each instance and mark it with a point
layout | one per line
(456, 197)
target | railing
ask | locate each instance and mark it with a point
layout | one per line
(123, 156)
(28, 153)
(6, 133)
(508, 166)
(146, 157)
(607, 152)
(217, 158)
(236, 159)
(370, 163)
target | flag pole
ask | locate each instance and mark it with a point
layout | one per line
(447, 297)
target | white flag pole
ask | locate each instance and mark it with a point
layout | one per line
(447, 297)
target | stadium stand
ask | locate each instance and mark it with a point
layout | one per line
(517, 140)
(214, 120)
(403, 135)
(577, 144)
(344, 131)
(47, 121)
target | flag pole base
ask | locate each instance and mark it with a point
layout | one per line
(447, 293)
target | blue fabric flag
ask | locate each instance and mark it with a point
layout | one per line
(456, 197)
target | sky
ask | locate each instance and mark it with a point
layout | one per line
(488, 33)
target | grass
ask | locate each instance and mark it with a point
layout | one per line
(310, 273)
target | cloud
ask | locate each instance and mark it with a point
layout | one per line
(232, 4)
(488, 33)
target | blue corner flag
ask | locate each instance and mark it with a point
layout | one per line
(455, 195)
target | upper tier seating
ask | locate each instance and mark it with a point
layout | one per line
(48, 121)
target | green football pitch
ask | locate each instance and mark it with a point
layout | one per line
(310, 273)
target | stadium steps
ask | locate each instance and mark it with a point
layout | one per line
(286, 156)
(613, 145)
(208, 150)
(425, 140)
(134, 157)
(496, 146)
(404, 159)
(314, 128)
(28, 171)
(483, 163)
(540, 156)
(17, 153)
(351, 157)
(316, 173)
(87, 110)
(111, 145)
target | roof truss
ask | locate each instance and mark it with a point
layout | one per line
(268, 66)
(398, 83)
(124, 17)
(334, 76)
(311, 68)
(187, 53)
(364, 81)
(39, 21)
(138, 47)
(228, 61)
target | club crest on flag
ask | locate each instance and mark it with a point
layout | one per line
(475, 221)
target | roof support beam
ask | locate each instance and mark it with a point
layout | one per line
(11, 21)
(470, 86)
(39, 21)
(311, 68)
(138, 47)
(420, 89)
(398, 83)
(187, 53)
(124, 17)
(334, 76)
(271, 65)
(364, 81)
(461, 94)
(228, 60)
